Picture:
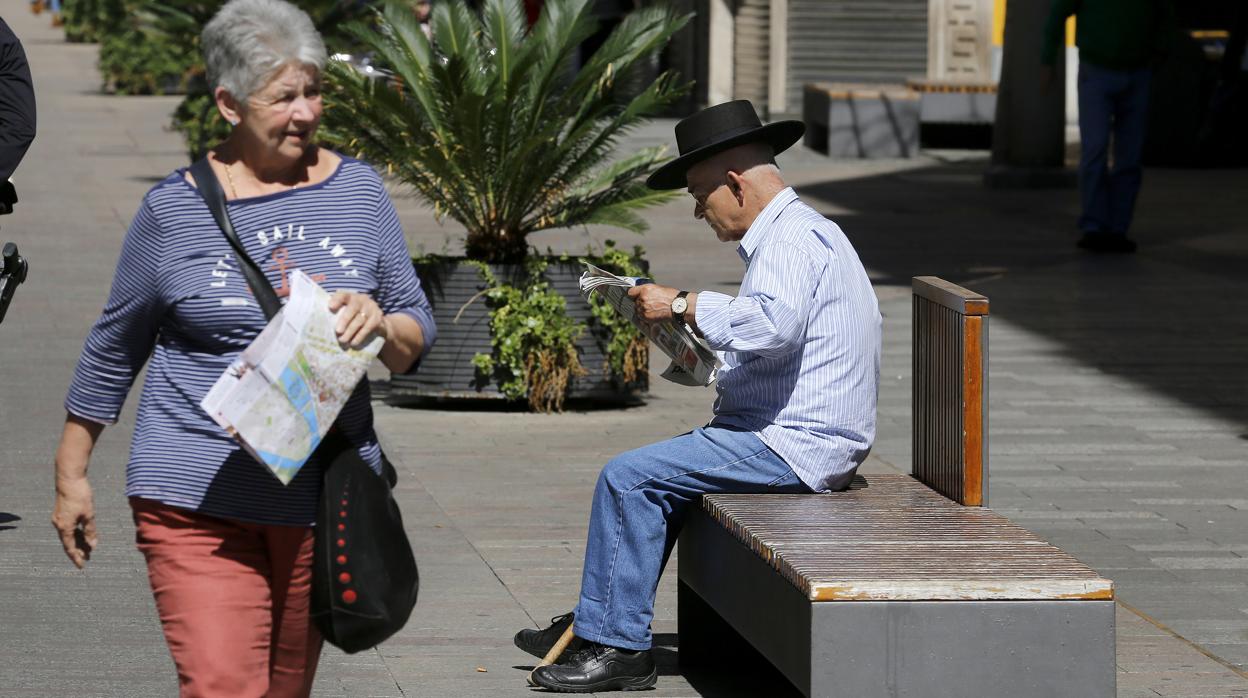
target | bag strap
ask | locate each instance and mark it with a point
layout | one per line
(209, 188)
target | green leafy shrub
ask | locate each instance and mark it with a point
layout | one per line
(134, 62)
(200, 123)
(628, 355)
(91, 20)
(533, 339)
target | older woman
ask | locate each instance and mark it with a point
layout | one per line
(228, 547)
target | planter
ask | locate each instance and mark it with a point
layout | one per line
(447, 372)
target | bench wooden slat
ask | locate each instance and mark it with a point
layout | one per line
(888, 537)
(950, 295)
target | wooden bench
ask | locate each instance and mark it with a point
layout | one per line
(902, 585)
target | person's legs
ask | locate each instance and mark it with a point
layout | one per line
(639, 505)
(210, 580)
(295, 647)
(1130, 122)
(233, 600)
(1096, 87)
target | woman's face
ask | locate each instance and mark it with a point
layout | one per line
(283, 115)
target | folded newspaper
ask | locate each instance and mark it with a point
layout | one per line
(280, 397)
(692, 362)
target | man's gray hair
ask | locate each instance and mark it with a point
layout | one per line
(249, 41)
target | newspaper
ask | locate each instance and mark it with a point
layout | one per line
(692, 362)
(280, 397)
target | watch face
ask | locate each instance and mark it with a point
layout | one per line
(679, 306)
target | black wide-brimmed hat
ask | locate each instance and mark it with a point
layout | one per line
(716, 129)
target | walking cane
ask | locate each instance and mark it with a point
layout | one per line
(562, 644)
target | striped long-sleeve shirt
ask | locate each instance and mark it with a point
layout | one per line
(178, 297)
(800, 344)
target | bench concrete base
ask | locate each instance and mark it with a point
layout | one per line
(886, 648)
(861, 121)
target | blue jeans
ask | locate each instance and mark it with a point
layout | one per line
(1114, 100)
(639, 506)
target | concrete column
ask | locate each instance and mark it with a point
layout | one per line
(778, 60)
(1029, 134)
(721, 51)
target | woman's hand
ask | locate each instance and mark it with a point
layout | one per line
(359, 318)
(73, 516)
(74, 519)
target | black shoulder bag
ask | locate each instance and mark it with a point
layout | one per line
(364, 577)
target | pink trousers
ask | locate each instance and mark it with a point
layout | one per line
(233, 599)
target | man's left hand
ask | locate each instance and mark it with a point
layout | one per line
(654, 302)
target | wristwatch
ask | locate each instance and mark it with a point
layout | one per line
(679, 306)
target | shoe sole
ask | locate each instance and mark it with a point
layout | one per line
(639, 683)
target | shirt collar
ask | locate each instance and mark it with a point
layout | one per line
(762, 223)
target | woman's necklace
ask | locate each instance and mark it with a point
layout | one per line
(229, 178)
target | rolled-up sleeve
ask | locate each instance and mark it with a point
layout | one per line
(122, 338)
(399, 289)
(771, 320)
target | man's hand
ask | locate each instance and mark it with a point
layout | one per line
(654, 302)
(74, 519)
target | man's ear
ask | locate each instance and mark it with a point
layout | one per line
(736, 184)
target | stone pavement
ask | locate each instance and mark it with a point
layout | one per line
(1119, 414)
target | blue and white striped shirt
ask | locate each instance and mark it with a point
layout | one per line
(179, 297)
(800, 344)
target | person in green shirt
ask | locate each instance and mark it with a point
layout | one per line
(1119, 41)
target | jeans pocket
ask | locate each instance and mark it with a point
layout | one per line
(787, 479)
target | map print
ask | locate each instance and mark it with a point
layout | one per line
(280, 397)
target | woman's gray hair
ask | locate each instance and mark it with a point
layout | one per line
(249, 41)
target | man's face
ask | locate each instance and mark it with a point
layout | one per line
(713, 199)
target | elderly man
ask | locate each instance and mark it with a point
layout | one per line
(796, 397)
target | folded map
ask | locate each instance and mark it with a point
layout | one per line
(280, 397)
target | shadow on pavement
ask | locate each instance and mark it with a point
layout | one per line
(1172, 318)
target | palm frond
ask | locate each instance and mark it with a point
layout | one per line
(490, 124)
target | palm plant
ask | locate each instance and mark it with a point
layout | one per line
(492, 125)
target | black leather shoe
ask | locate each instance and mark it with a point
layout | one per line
(1106, 242)
(599, 668)
(539, 642)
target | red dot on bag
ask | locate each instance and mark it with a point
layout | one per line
(349, 596)
(342, 543)
(342, 559)
(342, 527)
(345, 578)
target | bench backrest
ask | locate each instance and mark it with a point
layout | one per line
(950, 451)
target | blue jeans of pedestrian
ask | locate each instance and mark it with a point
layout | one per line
(639, 506)
(1110, 101)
